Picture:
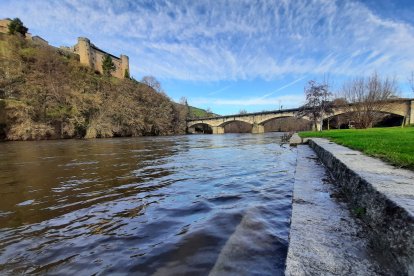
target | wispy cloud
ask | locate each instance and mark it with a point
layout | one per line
(287, 101)
(229, 40)
(282, 87)
(215, 92)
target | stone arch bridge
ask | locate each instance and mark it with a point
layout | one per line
(401, 107)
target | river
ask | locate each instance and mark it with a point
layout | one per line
(183, 205)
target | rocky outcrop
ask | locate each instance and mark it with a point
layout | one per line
(295, 139)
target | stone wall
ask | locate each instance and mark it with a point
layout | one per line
(92, 56)
(381, 195)
(4, 29)
(4, 26)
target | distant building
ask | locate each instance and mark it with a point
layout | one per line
(89, 54)
(4, 29)
(4, 25)
(92, 56)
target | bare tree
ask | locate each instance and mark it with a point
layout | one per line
(411, 81)
(318, 103)
(152, 82)
(242, 111)
(183, 101)
(368, 98)
(186, 108)
(209, 112)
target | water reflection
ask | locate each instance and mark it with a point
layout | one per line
(213, 204)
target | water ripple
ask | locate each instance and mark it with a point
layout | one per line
(186, 205)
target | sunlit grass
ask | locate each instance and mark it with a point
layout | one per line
(198, 112)
(394, 145)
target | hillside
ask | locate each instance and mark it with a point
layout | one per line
(46, 94)
(196, 112)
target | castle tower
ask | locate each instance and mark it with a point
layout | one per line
(84, 51)
(124, 65)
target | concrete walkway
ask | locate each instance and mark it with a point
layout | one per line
(324, 237)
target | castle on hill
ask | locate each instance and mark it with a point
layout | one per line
(89, 55)
(92, 56)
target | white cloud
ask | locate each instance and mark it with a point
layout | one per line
(229, 40)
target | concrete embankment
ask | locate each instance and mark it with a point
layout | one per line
(382, 195)
(324, 238)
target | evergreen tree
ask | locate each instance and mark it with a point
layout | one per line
(126, 74)
(16, 26)
(108, 65)
(188, 110)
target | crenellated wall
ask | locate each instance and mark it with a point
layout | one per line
(92, 56)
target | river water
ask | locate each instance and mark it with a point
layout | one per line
(184, 205)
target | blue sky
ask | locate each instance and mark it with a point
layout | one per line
(236, 54)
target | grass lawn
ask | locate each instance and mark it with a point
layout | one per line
(394, 144)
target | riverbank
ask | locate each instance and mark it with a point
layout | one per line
(380, 199)
(324, 237)
(394, 145)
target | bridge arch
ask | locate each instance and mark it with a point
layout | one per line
(281, 116)
(344, 119)
(287, 123)
(223, 124)
(236, 126)
(193, 123)
(200, 127)
(341, 112)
